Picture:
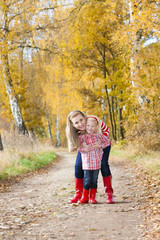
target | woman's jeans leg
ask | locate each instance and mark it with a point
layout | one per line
(105, 169)
(106, 173)
(90, 179)
(79, 173)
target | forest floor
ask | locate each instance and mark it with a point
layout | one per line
(36, 207)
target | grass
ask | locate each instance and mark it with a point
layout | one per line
(26, 164)
(23, 154)
(150, 162)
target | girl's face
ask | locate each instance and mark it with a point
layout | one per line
(91, 126)
(79, 122)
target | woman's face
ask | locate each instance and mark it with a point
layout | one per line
(79, 122)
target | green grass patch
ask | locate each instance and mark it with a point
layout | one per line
(117, 152)
(32, 162)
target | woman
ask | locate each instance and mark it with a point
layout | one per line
(76, 124)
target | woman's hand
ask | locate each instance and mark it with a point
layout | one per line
(96, 146)
(84, 147)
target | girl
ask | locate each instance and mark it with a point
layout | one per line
(91, 159)
(76, 124)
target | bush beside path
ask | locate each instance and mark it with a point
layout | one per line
(37, 207)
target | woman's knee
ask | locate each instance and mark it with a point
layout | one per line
(105, 156)
(79, 173)
(105, 170)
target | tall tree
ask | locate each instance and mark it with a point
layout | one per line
(92, 48)
(20, 21)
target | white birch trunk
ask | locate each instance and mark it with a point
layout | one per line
(15, 109)
(16, 112)
(8, 79)
(136, 43)
(58, 141)
(132, 53)
(49, 128)
(134, 63)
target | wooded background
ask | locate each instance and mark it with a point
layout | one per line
(98, 56)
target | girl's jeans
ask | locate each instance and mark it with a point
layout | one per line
(105, 169)
(90, 179)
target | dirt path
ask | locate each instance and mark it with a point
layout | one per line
(37, 208)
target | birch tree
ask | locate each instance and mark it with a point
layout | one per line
(5, 49)
(22, 23)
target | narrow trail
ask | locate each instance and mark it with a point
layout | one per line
(37, 208)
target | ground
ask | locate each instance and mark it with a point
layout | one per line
(37, 207)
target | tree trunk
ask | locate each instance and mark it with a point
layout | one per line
(119, 129)
(113, 117)
(16, 112)
(110, 113)
(49, 128)
(136, 43)
(58, 140)
(106, 89)
(1, 144)
(104, 108)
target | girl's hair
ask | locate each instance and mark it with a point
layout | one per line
(95, 119)
(71, 131)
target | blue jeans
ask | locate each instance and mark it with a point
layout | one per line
(105, 169)
(90, 179)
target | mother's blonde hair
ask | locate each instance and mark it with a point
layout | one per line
(71, 131)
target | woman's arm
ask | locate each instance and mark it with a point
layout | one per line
(104, 128)
(105, 140)
(83, 148)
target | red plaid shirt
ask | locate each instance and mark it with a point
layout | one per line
(92, 159)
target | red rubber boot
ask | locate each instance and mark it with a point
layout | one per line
(85, 197)
(93, 195)
(79, 190)
(108, 189)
